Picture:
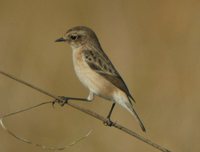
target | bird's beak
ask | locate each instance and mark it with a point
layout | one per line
(61, 40)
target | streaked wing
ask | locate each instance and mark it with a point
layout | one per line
(99, 62)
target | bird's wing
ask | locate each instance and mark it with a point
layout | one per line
(99, 62)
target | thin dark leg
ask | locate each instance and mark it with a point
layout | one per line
(68, 98)
(111, 110)
(108, 122)
(72, 98)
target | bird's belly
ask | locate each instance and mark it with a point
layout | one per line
(94, 81)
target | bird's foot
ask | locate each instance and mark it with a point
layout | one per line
(61, 102)
(108, 122)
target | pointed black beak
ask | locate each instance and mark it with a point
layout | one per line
(60, 40)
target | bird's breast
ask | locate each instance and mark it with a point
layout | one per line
(90, 78)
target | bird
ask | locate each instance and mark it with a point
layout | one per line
(96, 72)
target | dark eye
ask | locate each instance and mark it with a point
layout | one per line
(74, 37)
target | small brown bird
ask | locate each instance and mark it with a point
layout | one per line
(95, 70)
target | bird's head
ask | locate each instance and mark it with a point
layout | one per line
(79, 36)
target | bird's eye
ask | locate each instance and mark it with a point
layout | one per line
(74, 37)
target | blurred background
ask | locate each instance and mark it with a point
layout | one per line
(155, 45)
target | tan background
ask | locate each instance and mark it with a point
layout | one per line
(154, 44)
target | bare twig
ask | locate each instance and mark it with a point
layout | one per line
(41, 145)
(23, 110)
(30, 142)
(91, 113)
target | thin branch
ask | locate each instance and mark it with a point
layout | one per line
(26, 109)
(40, 145)
(54, 148)
(91, 113)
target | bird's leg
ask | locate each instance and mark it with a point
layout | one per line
(108, 122)
(65, 99)
(90, 96)
(111, 110)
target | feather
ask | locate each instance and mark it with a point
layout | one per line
(99, 62)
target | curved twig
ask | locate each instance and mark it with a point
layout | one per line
(41, 145)
(54, 148)
(91, 113)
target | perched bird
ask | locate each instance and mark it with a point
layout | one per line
(95, 70)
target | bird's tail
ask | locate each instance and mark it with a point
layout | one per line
(122, 99)
(130, 108)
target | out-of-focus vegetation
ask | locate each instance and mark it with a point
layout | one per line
(153, 44)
